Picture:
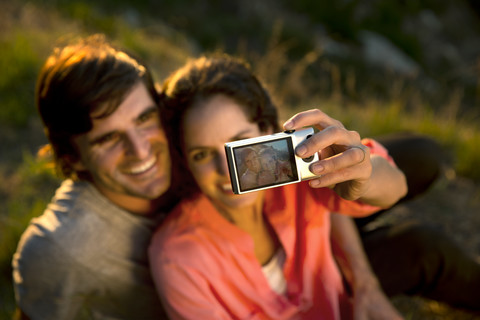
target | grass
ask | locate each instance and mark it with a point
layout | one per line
(19, 65)
(31, 187)
(298, 81)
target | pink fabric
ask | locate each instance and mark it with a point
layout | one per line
(378, 149)
(204, 267)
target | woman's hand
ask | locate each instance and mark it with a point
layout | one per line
(370, 303)
(345, 163)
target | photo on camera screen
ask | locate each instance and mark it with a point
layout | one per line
(265, 164)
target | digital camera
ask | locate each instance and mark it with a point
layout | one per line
(268, 161)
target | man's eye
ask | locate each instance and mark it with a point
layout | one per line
(105, 139)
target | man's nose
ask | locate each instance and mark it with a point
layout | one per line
(138, 145)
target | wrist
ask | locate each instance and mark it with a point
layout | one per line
(366, 280)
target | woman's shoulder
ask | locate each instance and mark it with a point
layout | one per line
(183, 228)
(184, 215)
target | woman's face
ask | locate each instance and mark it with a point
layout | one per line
(207, 126)
(252, 162)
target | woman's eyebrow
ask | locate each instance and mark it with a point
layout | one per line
(241, 135)
(150, 109)
(238, 136)
(195, 148)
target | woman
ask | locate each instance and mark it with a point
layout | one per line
(265, 254)
(249, 178)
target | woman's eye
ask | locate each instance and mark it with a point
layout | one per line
(151, 114)
(200, 155)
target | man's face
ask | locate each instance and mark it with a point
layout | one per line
(126, 153)
(268, 162)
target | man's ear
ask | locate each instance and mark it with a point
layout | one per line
(75, 163)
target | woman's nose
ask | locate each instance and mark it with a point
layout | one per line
(222, 163)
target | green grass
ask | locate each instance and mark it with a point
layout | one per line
(19, 67)
(31, 188)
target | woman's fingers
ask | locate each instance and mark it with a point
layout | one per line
(352, 156)
(344, 161)
(311, 118)
(348, 173)
(330, 141)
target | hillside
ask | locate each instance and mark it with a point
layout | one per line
(378, 66)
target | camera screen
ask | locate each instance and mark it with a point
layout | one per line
(265, 164)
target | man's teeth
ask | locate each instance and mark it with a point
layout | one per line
(143, 167)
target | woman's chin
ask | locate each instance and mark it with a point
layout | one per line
(236, 201)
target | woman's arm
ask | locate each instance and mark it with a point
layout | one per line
(369, 301)
(387, 184)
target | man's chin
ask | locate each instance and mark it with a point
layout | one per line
(154, 192)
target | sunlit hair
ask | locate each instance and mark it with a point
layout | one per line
(84, 80)
(205, 77)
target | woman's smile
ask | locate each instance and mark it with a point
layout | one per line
(206, 132)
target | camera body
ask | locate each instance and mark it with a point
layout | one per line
(268, 161)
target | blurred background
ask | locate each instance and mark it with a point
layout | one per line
(378, 66)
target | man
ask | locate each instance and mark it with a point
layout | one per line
(249, 178)
(85, 257)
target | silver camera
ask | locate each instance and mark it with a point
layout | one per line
(268, 161)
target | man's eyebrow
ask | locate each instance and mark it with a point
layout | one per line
(147, 111)
(98, 138)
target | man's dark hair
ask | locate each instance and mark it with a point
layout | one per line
(84, 80)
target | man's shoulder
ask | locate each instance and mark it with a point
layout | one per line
(79, 196)
(77, 249)
(69, 221)
(48, 249)
(74, 203)
(249, 174)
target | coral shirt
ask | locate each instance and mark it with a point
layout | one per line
(204, 267)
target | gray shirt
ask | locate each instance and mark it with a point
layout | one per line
(85, 258)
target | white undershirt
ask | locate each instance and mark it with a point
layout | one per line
(273, 271)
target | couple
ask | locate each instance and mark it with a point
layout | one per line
(129, 154)
(263, 167)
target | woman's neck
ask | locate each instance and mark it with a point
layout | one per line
(243, 216)
(252, 220)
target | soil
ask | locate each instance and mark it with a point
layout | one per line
(451, 205)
